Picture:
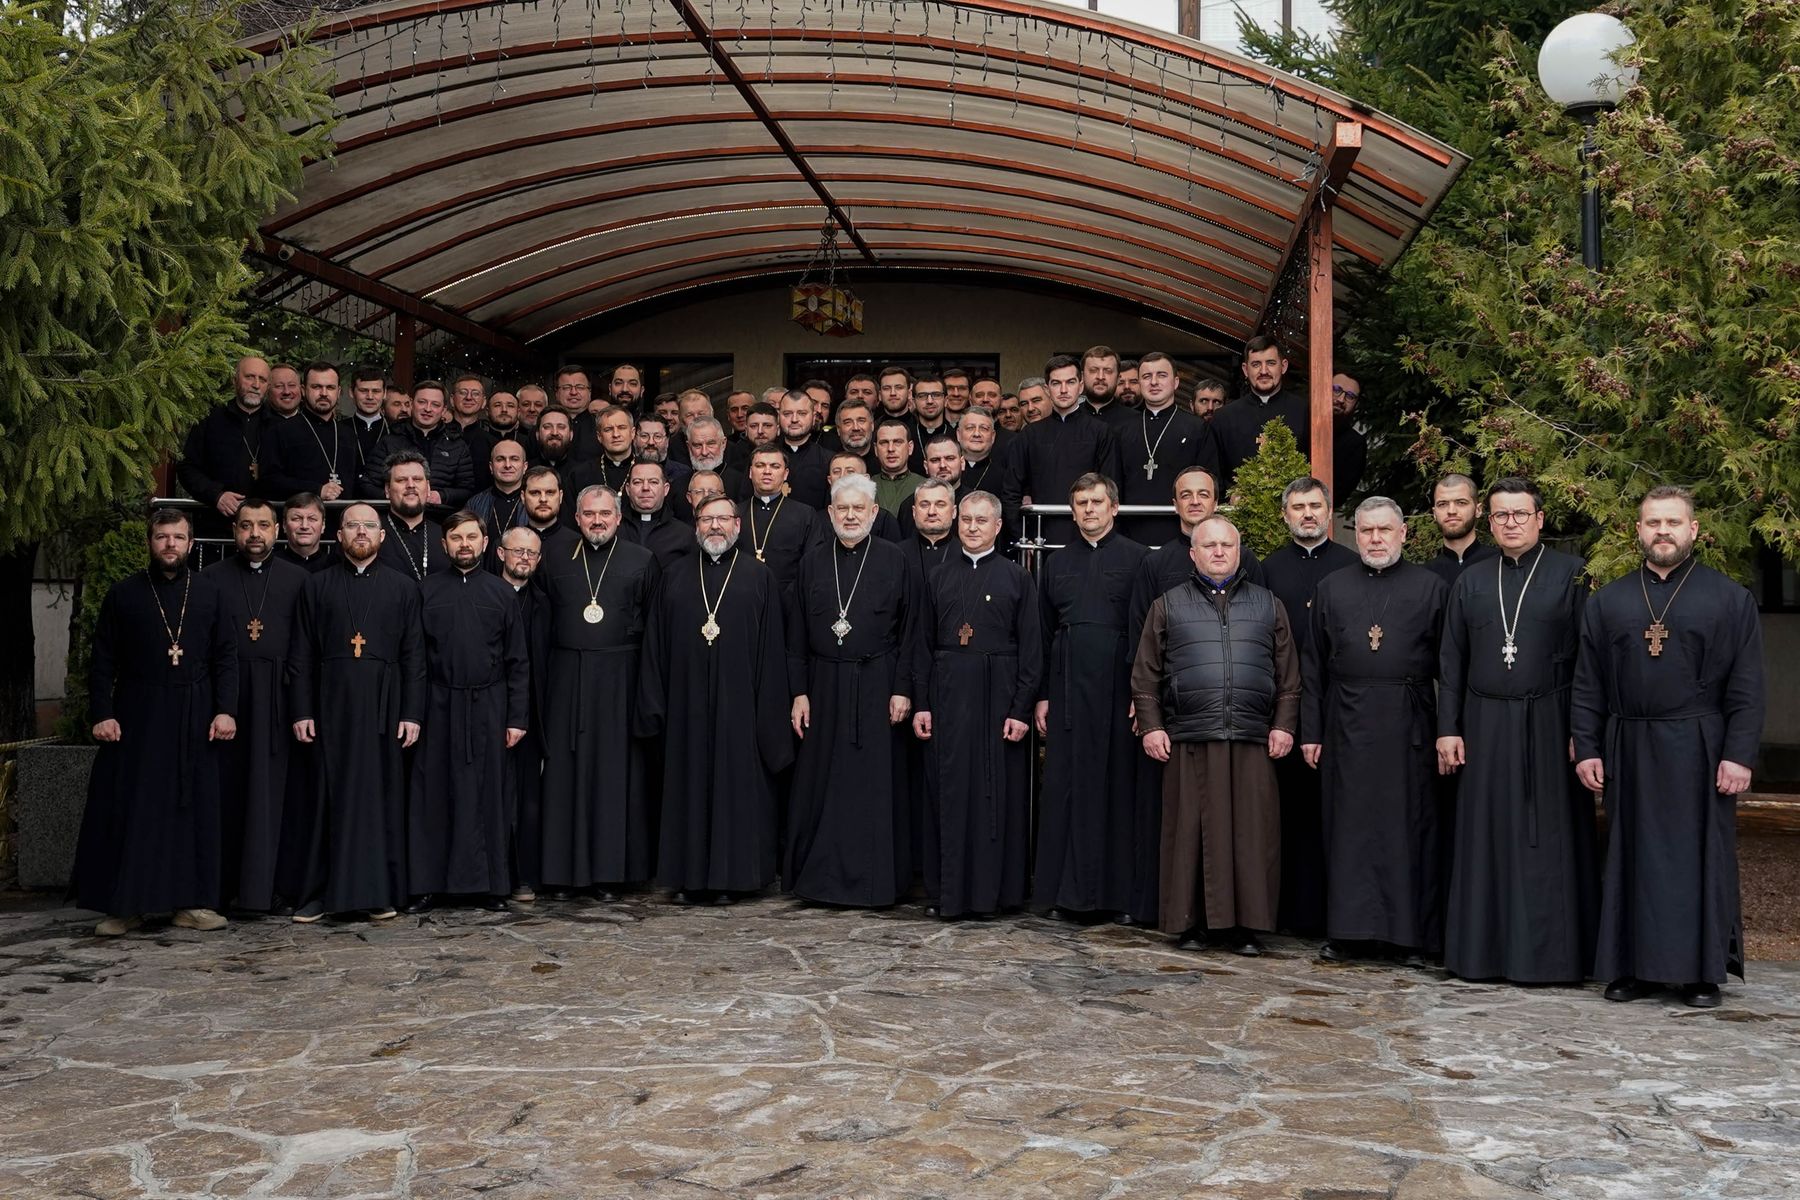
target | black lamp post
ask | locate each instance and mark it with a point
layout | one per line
(1578, 70)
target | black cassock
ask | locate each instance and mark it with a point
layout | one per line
(1097, 845)
(1369, 702)
(720, 711)
(1293, 572)
(261, 764)
(1524, 883)
(1669, 905)
(1238, 425)
(150, 833)
(1449, 566)
(461, 802)
(778, 531)
(599, 810)
(415, 551)
(1046, 459)
(660, 533)
(1174, 440)
(986, 665)
(528, 755)
(358, 664)
(850, 836)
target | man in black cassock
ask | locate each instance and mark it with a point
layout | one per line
(853, 644)
(1238, 426)
(931, 540)
(411, 545)
(713, 693)
(650, 520)
(809, 459)
(1293, 573)
(501, 504)
(1158, 441)
(1045, 460)
(1668, 716)
(1095, 845)
(521, 552)
(221, 458)
(778, 527)
(1456, 508)
(1369, 720)
(599, 814)
(985, 662)
(358, 695)
(257, 597)
(461, 800)
(162, 689)
(303, 534)
(1524, 879)
(316, 450)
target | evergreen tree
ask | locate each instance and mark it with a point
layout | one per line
(1680, 361)
(136, 157)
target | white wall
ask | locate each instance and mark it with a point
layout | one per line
(1023, 327)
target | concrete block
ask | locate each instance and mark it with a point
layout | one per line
(47, 804)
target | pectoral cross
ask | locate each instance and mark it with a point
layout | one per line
(357, 643)
(1374, 637)
(255, 628)
(175, 653)
(1150, 469)
(965, 633)
(1509, 653)
(1656, 635)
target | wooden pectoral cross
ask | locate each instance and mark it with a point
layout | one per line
(1375, 637)
(255, 627)
(357, 643)
(1656, 635)
(965, 633)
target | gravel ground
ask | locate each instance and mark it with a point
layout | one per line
(1769, 874)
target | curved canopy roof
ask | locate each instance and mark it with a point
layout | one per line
(510, 171)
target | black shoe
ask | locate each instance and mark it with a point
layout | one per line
(1191, 940)
(420, 904)
(724, 898)
(1125, 919)
(1624, 991)
(681, 898)
(1056, 914)
(1699, 995)
(1246, 943)
(492, 903)
(605, 897)
(1413, 959)
(931, 910)
(1335, 952)
(559, 894)
(308, 913)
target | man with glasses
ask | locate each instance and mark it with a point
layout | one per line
(1349, 449)
(713, 697)
(1524, 882)
(468, 404)
(928, 419)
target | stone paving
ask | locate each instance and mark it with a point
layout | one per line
(768, 1049)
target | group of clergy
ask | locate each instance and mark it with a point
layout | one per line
(479, 711)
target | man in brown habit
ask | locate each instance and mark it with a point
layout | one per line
(1216, 685)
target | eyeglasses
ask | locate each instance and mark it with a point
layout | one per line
(521, 551)
(1340, 390)
(364, 525)
(714, 520)
(1518, 516)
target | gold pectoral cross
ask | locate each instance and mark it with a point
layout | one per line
(255, 628)
(965, 633)
(1656, 635)
(1375, 637)
(175, 653)
(357, 643)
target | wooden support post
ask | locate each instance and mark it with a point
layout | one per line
(1319, 339)
(403, 352)
(1187, 18)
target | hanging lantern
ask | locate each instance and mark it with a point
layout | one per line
(827, 305)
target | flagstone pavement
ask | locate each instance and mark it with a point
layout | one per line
(775, 1050)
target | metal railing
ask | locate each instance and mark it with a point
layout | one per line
(1033, 545)
(209, 550)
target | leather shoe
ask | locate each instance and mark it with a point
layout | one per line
(308, 913)
(931, 910)
(606, 897)
(1057, 914)
(1247, 944)
(1125, 919)
(1334, 952)
(681, 898)
(724, 898)
(1191, 940)
(420, 904)
(1700, 995)
(559, 894)
(492, 903)
(1624, 991)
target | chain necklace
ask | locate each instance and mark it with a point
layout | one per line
(1509, 649)
(842, 625)
(593, 614)
(418, 568)
(1149, 449)
(761, 544)
(255, 452)
(710, 628)
(331, 461)
(1375, 631)
(502, 524)
(174, 651)
(255, 626)
(1658, 633)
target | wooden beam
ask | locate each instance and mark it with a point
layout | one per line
(1334, 169)
(1319, 339)
(300, 261)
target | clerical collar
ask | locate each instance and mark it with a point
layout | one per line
(468, 574)
(1068, 416)
(767, 500)
(367, 420)
(1675, 570)
(1262, 399)
(855, 546)
(1380, 572)
(1519, 562)
(618, 461)
(1153, 413)
(1462, 554)
(299, 553)
(361, 568)
(975, 559)
(255, 564)
(1102, 541)
(932, 543)
(792, 446)
(1312, 551)
(648, 516)
(545, 526)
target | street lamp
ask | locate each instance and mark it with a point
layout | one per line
(1578, 68)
